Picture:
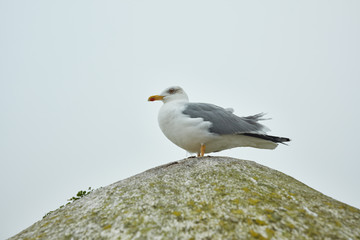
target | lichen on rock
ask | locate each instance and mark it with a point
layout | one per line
(202, 198)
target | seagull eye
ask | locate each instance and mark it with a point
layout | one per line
(172, 91)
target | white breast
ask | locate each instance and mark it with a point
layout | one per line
(187, 133)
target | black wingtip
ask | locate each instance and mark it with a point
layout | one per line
(274, 139)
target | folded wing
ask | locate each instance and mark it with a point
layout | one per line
(223, 121)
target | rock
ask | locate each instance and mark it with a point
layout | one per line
(202, 198)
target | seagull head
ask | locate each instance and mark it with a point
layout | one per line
(170, 94)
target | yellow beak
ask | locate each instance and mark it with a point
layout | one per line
(155, 98)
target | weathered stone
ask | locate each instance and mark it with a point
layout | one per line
(202, 198)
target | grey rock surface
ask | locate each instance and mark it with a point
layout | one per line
(202, 198)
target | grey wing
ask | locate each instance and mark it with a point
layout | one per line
(224, 121)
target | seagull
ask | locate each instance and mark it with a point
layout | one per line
(204, 128)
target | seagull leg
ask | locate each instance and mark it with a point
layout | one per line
(202, 150)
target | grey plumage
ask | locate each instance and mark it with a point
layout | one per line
(224, 122)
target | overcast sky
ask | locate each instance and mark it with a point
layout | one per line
(75, 77)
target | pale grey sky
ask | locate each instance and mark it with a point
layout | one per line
(75, 77)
